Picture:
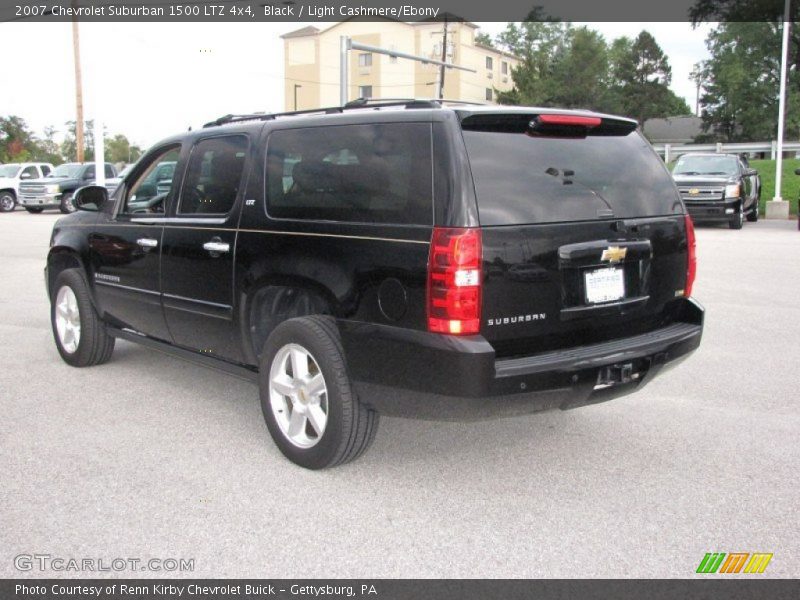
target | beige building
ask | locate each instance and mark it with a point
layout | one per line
(311, 62)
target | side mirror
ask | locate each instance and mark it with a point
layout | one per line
(25, 176)
(91, 198)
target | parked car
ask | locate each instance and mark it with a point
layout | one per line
(443, 261)
(113, 182)
(718, 187)
(57, 189)
(12, 174)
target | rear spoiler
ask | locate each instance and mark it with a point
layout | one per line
(549, 124)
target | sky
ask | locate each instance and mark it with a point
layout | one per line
(151, 80)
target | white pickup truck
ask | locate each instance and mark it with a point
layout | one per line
(12, 174)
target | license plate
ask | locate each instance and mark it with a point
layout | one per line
(604, 285)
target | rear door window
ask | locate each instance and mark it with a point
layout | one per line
(521, 179)
(372, 173)
(213, 177)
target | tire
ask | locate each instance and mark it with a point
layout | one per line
(737, 220)
(93, 345)
(348, 427)
(7, 202)
(752, 216)
(34, 211)
(67, 205)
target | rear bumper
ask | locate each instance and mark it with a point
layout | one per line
(433, 376)
(721, 210)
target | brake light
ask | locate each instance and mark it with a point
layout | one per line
(454, 281)
(691, 257)
(569, 120)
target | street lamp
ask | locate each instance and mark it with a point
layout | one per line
(296, 86)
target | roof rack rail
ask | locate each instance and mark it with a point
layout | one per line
(382, 102)
(464, 102)
(375, 103)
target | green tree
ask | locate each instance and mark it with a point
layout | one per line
(642, 74)
(741, 83)
(17, 142)
(69, 147)
(580, 72)
(540, 43)
(119, 150)
(484, 39)
(48, 148)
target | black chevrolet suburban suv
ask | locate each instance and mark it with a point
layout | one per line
(405, 258)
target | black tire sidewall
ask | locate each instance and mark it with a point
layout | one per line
(34, 211)
(66, 200)
(324, 452)
(73, 279)
(13, 202)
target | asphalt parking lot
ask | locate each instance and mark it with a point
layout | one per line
(149, 456)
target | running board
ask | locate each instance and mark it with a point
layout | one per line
(242, 372)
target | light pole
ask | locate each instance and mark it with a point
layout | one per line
(778, 208)
(296, 87)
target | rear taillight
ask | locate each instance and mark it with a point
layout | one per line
(691, 257)
(454, 281)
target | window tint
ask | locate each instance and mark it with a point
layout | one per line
(88, 173)
(110, 171)
(521, 179)
(153, 185)
(360, 173)
(31, 172)
(45, 170)
(214, 175)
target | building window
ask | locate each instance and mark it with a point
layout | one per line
(365, 91)
(504, 67)
(489, 63)
(365, 60)
(489, 94)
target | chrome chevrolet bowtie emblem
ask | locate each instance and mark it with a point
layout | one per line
(694, 192)
(613, 254)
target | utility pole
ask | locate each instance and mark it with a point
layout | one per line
(76, 51)
(444, 60)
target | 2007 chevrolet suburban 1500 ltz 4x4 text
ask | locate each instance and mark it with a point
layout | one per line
(448, 261)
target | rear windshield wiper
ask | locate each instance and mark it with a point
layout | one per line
(568, 175)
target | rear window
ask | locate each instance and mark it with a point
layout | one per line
(521, 178)
(373, 173)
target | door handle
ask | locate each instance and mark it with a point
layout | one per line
(216, 247)
(147, 242)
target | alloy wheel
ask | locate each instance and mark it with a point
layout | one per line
(68, 320)
(298, 396)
